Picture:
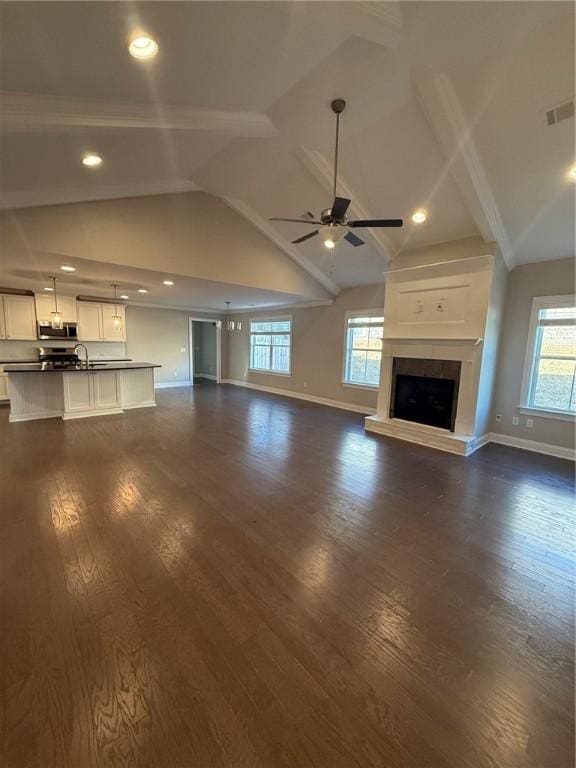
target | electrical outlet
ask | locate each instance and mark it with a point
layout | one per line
(498, 417)
(529, 423)
(175, 374)
(182, 349)
(515, 421)
(305, 384)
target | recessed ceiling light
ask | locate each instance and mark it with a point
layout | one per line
(91, 160)
(143, 47)
(419, 217)
(142, 290)
(48, 289)
(167, 282)
(67, 268)
(572, 173)
(124, 296)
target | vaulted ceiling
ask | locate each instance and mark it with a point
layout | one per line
(446, 108)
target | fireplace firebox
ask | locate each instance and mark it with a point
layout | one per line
(425, 391)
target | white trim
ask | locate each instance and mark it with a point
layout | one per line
(541, 414)
(218, 324)
(147, 404)
(87, 414)
(367, 387)
(205, 376)
(299, 396)
(170, 384)
(218, 312)
(278, 307)
(538, 303)
(34, 416)
(34, 111)
(270, 232)
(532, 445)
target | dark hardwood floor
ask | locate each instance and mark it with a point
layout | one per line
(237, 579)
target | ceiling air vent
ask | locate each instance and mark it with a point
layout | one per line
(561, 112)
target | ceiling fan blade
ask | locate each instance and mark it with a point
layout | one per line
(339, 207)
(375, 223)
(296, 221)
(306, 237)
(353, 239)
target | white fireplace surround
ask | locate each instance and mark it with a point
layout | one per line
(441, 312)
(469, 354)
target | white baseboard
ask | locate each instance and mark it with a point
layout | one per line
(533, 445)
(209, 376)
(300, 396)
(170, 384)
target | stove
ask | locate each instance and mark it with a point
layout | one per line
(58, 357)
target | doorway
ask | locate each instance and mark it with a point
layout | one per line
(205, 350)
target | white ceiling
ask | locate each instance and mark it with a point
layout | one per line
(446, 106)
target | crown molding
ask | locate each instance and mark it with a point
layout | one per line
(320, 168)
(33, 112)
(270, 307)
(33, 198)
(453, 131)
(267, 229)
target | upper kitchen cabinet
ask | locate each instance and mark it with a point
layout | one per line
(45, 307)
(114, 330)
(18, 317)
(96, 321)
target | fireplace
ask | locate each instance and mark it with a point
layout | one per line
(425, 391)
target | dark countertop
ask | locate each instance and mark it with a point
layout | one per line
(25, 360)
(47, 368)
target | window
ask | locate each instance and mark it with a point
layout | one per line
(270, 345)
(550, 370)
(363, 349)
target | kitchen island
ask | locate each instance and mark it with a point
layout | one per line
(43, 391)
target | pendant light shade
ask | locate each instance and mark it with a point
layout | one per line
(229, 324)
(56, 321)
(116, 318)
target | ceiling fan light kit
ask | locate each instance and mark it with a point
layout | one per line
(333, 224)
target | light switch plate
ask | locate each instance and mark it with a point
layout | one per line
(515, 421)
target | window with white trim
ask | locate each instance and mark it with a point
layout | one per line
(550, 370)
(271, 345)
(363, 349)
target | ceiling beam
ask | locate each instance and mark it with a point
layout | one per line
(320, 168)
(33, 198)
(453, 131)
(267, 229)
(33, 112)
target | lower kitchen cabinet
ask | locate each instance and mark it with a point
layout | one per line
(91, 391)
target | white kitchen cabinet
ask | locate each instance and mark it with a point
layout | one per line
(92, 391)
(95, 321)
(111, 333)
(90, 321)
(2, 323)
(3, 386)
(45, 307)
(19, 314)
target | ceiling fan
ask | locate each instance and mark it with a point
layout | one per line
(332, 221)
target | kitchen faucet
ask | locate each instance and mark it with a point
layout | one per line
(86, 358)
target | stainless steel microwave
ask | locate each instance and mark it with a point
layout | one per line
(69, 332)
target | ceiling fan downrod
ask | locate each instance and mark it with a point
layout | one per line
(338, 106)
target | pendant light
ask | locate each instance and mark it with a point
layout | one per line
(56, 321)
(116, 319)
(229, 324)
